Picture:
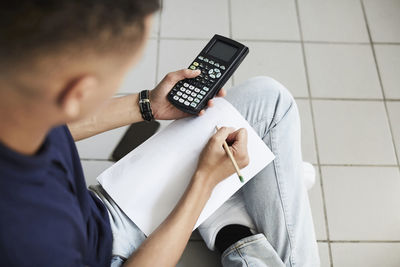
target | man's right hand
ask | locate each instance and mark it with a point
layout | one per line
(214, 164)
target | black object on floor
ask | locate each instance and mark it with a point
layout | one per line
(229, 235)
(136, 134)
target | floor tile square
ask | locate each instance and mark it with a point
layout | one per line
(197, 254)
(342, 71)
(333, 20)
(362, 202)
(324, 254)
(388, 57)
(281, 61)
(178, 54)
(383, 19)
(93, 168)
(142, 75)
(155, 27)
(317, 208)
(100, 146)
(269, 19)
(366, 254)
(307, 131)
(353, 132)
(190, 18)
(394, 115)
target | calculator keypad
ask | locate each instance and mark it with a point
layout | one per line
(190, 92)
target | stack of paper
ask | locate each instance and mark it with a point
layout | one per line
(148, 182)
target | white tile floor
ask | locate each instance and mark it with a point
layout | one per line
(341, 61)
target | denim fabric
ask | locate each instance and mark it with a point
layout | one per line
(275, 198)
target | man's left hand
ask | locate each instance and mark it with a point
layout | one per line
(162, 108)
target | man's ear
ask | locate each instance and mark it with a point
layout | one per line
(73, 96)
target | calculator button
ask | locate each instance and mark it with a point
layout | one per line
(185, 96)
(200, 57)
(192, 67)
(186, 84)
(201, 65)
(205, 59)
(193, 94)
(222, 67)
(176, 97)
(197, 100)
(190, 98)
(188, 92)
(216, 65)
(212, 76)
(211, 62)
(181, 100)
(187, 103)
(179, 93)
(193, 104)
(217, 70)
(199, 96)
(195, 64)
(197, 90)
(211, 71)
(191, 87)
(182, 89)
(218, 75)
(206, 88)
(202, 92)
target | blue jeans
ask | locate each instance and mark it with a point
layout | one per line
(275, 198)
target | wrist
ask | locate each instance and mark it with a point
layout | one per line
(204, 181)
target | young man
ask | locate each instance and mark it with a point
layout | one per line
(61, 61)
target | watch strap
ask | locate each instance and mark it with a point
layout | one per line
(144, 105)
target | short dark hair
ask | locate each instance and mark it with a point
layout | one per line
(29, 28)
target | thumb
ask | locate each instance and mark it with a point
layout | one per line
(182, 74)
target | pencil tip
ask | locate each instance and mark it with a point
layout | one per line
(241, 179)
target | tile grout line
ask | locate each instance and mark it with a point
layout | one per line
(278, 40)
(380, 83)
(314, 130)
(359, 165)
(158, 44)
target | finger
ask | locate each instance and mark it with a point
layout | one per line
(201, 113)
(210, 103)
(221, 93)
(222, 133)
(181, 74)
(238, 138)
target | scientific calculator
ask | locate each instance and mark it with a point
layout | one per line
(217, 62)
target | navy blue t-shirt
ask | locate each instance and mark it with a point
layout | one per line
(47, 215)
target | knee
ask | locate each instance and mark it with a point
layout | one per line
(273, 94)
(267, 87)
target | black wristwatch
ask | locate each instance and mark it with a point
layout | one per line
(144, 105)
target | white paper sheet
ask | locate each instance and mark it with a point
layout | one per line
(148, 182)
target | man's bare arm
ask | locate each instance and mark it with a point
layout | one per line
(125, 110)
(165, 245)
(117, 112)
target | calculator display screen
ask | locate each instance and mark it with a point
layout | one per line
(222, 51)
